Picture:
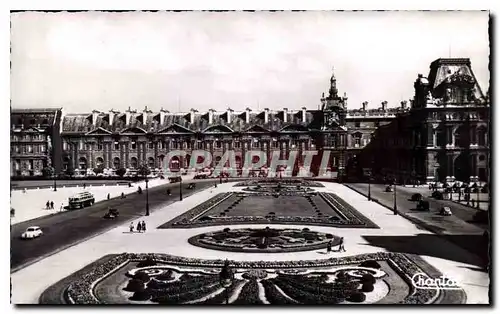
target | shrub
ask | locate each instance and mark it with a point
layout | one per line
(142, 276)
(141, 295)
(416, 197)
(168, 275)
(437, 195)
(367, 287)
(146, 263)
(205, 218)
(226, 229)
(305, 230)
(368, 279)
(121, 172)
(134, 285)
(357, 297)
(201, 236)
(329, 236)
(370, 264)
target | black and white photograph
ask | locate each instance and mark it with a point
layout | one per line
(291, 158)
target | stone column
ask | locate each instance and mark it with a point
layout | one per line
(127, 153)
(430, 136)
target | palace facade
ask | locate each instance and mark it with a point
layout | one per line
(445, 136)
(35, 141)
(442, 134)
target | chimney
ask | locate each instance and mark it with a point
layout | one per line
(95, 113)
(229, 113)
(285, 115)
(266, 115)
(304, 114)
(247, 115)
(163, 112)
(111, 116)
(127, 116)
(384, 105)
(403, 104)
(365, 104)
(191, 115)
(145, 115)
(211, 116)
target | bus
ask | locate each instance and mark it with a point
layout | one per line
(81, 200)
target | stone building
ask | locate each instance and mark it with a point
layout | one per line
(129, 139)
(34, 141)
(441, 135)
(444, 135)
(361, 125)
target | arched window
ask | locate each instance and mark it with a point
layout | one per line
(99, 162)
(82, 163)
(133, 163)
(151, 162)
(116, 163)
(481, 136)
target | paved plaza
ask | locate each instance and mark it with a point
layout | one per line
(396, 234)
(30, 204)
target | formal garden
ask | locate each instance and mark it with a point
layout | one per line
(264, 240)
(288, 207)
(375, 278)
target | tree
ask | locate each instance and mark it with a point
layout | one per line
(121, 172)
(98, 170)
(143, 171)
(48, 171)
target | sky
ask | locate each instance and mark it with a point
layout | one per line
(212, 60)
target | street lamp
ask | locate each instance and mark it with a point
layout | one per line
(226, 277)
(369, 189)
(477, 184)
(180, 188)
(395, 203)
(55, 182)
(147, 198)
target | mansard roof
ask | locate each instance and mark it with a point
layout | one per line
(445, 70)
(34, 117)
(82, 123)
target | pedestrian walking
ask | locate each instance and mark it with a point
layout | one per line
(51, 204)
(123, 195)
(62, 207)
(108, 196)
(341, 245)
(84, 185)
(139, 227)
(143, 226)
(47, 205)
(329, 247)
(131, 227)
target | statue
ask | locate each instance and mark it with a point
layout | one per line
(470, 95)
(429, 97)
(447, 94)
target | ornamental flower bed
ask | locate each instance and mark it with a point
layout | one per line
(80, 291)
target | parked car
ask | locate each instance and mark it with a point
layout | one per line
(416, 197)
(191, 186)
(81, 200)
(423, 205)
(111, 214)
(437, 195)
(32, 232)
(445, 211)
(388, 188)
